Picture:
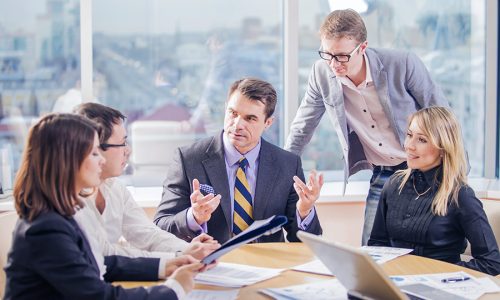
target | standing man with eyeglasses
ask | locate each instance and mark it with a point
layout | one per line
(368, 94)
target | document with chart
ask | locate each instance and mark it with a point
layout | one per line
(379, 254)
(235, 275)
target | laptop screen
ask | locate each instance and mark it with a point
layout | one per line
(361, 276)
(354, 269)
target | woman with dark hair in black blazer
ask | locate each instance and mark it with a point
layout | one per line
(50, 257)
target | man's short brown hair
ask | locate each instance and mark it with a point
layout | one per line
(256, 89)
(104, 116)
(343, 23)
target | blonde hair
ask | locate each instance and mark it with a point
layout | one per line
(441, 126)
(343, 23)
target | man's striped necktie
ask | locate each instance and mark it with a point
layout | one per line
(243, 211)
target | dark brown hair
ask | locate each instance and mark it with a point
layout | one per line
(343, 23)
(56, 148)
(104, 116)
(256, 89)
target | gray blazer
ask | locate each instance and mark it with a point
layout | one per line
(204, 160)
(403, 86)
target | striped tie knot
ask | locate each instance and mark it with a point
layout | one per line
(243, 162)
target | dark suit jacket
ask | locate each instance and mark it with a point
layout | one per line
(51, 259)
(204, 160)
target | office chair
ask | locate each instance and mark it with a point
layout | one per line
(492, 209)
(153, 144)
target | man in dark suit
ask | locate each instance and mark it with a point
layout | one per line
(252, 178)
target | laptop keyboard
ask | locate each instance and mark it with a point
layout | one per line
(412, 297)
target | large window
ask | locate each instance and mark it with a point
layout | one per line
(168, 66)
(39, 67)
(449, 36)
(324, 151)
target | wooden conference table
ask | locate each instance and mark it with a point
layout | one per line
(285, 255)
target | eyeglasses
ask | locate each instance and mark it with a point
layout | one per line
(340, 58)
(105, 146)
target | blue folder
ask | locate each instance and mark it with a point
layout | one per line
(254, 231)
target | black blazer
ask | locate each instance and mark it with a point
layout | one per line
(405, 220)
(204, 160)
(51, 259)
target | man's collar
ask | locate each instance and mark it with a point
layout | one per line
(368, 72)
(232, 155)
(368, 76)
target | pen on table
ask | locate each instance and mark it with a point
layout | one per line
(455, 279)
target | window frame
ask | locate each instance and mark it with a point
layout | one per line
(290, 80)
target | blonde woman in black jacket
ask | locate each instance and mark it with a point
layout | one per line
(429, 207)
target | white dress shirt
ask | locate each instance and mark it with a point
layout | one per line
(99, 245)
(122, 217)
(365, 116)
(85, 219)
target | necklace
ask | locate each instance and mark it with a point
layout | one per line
(419, 194)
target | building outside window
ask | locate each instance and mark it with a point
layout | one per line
(168, 66)
(39, 69)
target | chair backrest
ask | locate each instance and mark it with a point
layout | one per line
(7, 223)
(492, 209)
(153, 146)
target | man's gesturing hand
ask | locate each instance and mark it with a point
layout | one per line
(203, 206)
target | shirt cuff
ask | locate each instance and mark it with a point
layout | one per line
(307, 220)
(193, 225)
(176, 287)
(162, 267)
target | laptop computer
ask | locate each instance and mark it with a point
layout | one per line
(362, 277)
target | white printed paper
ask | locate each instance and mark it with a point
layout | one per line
(472, 288)
(235, 275)
(324, 290)
(379, 254)
(384, 254)
(315, 266)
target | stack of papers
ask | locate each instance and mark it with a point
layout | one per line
(472, 288)
(379, 254)
(235, 275)
(323, 290)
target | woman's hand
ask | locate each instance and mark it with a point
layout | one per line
(175, 263)
(185, 275)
